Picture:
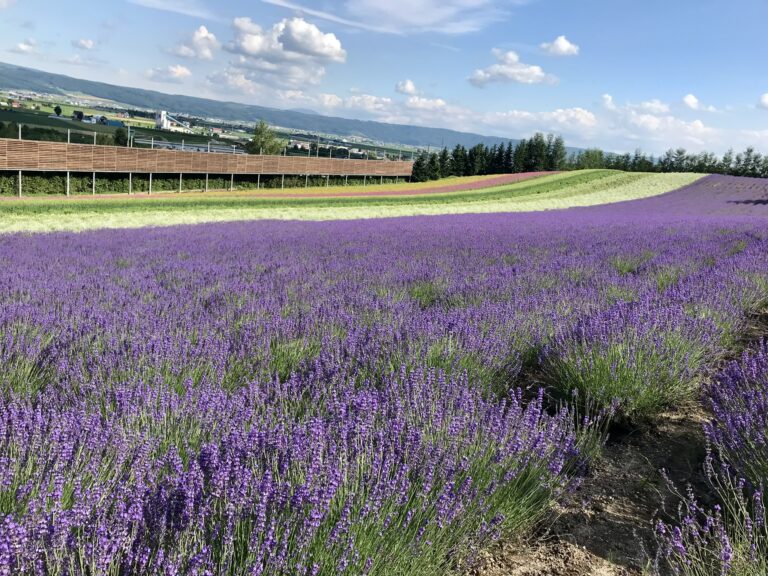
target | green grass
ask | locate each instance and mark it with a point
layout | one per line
(42, 119)
(582, 188)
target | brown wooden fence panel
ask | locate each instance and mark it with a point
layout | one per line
(30, 155)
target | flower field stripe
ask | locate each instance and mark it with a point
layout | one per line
(560, 191)
(345, 397)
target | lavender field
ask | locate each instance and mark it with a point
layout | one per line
(386, 396)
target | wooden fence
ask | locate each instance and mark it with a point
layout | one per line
(34, 156)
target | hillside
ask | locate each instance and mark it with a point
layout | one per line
(18, 78)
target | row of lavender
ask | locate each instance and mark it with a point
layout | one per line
(730, 538)
(336, 398)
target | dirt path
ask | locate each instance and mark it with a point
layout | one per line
(606, 527)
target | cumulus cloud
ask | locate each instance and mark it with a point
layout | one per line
(692, 102)
(560, 47)
(509, 68)
(172, 74)
(330, 100)
(764, 101)
(292, 53)
(406, 87)
(654, 106)
(199, 47)
(84, 44)
(419, 103)
(411, 16)
(28, 46)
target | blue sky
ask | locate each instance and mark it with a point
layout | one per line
(618, 74)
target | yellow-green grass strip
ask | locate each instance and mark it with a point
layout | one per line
(586, 188)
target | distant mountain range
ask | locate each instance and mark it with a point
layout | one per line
(19, 78)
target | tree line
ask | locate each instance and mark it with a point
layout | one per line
(537, 154)
(548, 153)
(748, 163)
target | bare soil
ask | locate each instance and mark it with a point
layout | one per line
(606, 527)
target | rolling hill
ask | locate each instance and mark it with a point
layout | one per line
(19, 78)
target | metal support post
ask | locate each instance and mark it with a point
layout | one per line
(93, 184)
(346, 178)
(258, 181)
(150, 183)
(231, 182)
(130, 183)
(282, 183)
(94, 138)
(365, 180)
(19, 183)
(206, 182)
(69, 136)
(181, 175)
(306, 181)
(67, 182)
(152, 143)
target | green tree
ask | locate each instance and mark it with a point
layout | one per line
(57, 110)
(419, 172)
(433, 167)
(556, 153)
(265, 141)
(121, 137)
(445, 163)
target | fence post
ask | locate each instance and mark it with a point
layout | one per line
(382, 180)
(327, 180)
(69, 136)
(94, 138)
(93, 184)
(209, 147)
(67, 182)
(282, 183)
(181, 175)
(206, 182)
(346, 177)
(19, 131)
(258, 181)
(182, 144)
(365, 179)
(234, 149)
(19, 183)
(150, 183)
(130, 183)
(152, 143)
(306, 181)
(231, 182)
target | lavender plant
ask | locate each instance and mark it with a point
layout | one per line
(346, 397)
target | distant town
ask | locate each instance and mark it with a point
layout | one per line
(82, 118)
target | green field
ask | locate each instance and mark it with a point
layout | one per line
(42, 119)
(583, 188)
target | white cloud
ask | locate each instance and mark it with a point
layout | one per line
(419, 103)
(330, 100)
(562, 119)
(560, 47)
(6, 4)
(412, 16)
(84, 44)
(764, 101)
(654, 106)
(28, 46)
(510, 69)
(694, 103)
(406, 87)
(191, 8)
(199, 47)
(173, 74)
(369, 103)
(608, 102)
(292, 53)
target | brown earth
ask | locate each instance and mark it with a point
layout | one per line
(605, 529)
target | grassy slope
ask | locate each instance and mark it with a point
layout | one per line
(584, 188)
